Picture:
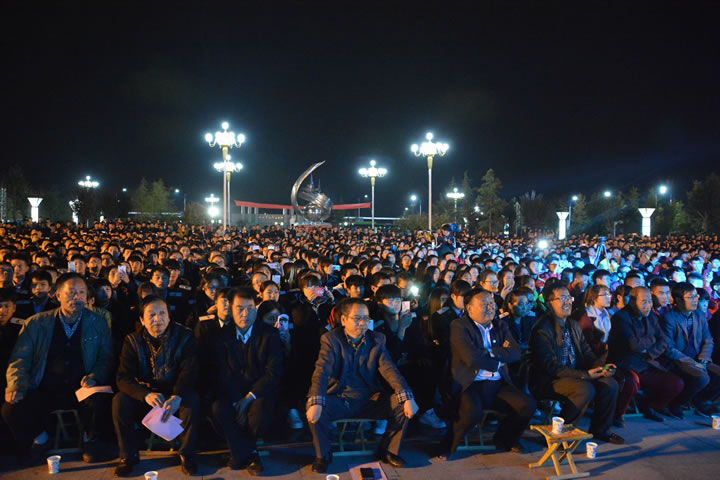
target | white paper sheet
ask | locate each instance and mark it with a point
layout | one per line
(167, 430)
(83, 392)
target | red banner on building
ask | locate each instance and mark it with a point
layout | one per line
(273, 206)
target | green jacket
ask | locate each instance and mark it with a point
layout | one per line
(27, 362)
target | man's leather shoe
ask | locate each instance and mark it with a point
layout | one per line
(703, 410)
(651, 414)
(33, 455)
(610, 437)
(233, 465)
(125, 467)
(394, 460)
(320, 465)
(674, 412)
(255, 465)
(188, 464)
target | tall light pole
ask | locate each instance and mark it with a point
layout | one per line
(574, 198)
(413, 199)
(225, 140)
(373, 172)
(455, 195)
(89, 184)
(429, 149)
(212, 209)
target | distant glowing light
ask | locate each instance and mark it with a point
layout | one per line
(607, 193)
(663, 189)
(542, 244)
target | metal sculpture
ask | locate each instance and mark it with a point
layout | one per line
(318, 206)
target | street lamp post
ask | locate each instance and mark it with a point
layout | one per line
(455, 195)
(372, 172)
(574, 198)
(212, 209)
(413, 199)
(225, 140)
(89, 184)
(428, 150)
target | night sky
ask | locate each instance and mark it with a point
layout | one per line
(577, 96)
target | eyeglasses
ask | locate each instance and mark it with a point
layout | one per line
(694, 296)
(358, 320)
(564, 299)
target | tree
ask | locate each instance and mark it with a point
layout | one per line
(489, 200)
(18, 190)
(195, 214)
(151, 200)
(703, 206)
(579, 217)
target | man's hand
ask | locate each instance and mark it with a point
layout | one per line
(14, 397)
(699, 365)
(212, 310)
(597, 372)
(410, 408)
(404, 321)
(155, 399)
(87, 382)
(313, 413)
(171, 406)
(241, 408)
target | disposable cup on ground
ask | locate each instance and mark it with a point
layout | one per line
(716, 422)
(53, 464)
(152, 475)
(591, 449)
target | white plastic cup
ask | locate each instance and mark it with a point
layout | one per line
(332, 477)
(591, 449)
(152, 475)
(54, 464)
(557, 425)
(716, 422)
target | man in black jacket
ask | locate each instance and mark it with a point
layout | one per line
(481, 349)
(563, 367)
(249, 361)
(637, 345)
(158, 368)
(347, 382)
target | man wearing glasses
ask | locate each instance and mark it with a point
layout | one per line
(347, 383)
(563, 367)
(689, 352)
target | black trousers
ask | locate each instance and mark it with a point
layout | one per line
(575, 396)
(494, 395)
(380, 406)
(700, 385)
(29, 417)
(241, 438)
(126, 412)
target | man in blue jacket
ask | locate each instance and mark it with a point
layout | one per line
(689, 352)
(56, 353)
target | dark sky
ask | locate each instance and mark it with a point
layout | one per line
(576, 96)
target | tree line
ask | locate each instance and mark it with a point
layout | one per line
(484, 208)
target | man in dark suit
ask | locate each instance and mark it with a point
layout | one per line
(689, 352)
(563, 367)
(249, 361)
(347, 382)
(636, 344)
(481, 349)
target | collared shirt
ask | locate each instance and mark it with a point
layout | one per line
(242, 337)
(487, 343)
(222, 324)
(69, 329)
(602, 320)
(353, 344)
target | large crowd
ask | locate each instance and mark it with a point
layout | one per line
(238, 331)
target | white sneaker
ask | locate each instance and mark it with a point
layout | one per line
(380, 426)
(294, 419)
(431, 419)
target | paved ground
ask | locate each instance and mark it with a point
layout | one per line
(671, 450)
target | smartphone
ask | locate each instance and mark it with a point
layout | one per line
(336, 268)
(405, 307)
(122, 269)
(415, 291)
(283, 322)
(271, 247)
(71, 266)
(276, 279)
(255, 248)
(367, 474)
